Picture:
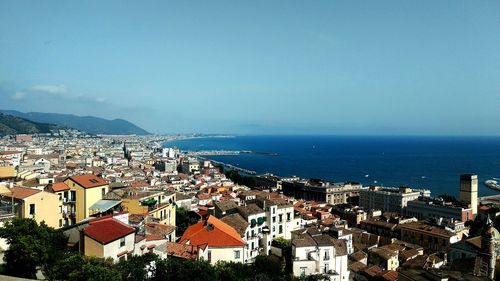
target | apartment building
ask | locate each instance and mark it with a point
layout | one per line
(85, 191)
(389, 199)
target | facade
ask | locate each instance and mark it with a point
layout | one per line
(468, 191)
(62, 190)
(434, 209)
(223, 243)
(157, 204)
(430, 237)
(388, 199)
(85, 191)
(332, 193)
(320, 254)
(109, 238)
(36, 204)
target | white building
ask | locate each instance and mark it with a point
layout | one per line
(320, 254)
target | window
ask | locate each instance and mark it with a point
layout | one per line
(122, 242)
(288, 216)
(303, 270)
(280, 229)
(60, 222)
(280, 218)
(327, 255)
(32, 209)
(236, 254)
(209, 256)
(326, 267)
(103, 192)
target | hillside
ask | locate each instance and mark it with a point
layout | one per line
(11, 125)
(89, 124)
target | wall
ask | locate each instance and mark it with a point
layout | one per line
(46, 208)
(225, 254)
(93, 248)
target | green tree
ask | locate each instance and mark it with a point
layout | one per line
(188, 270)
(137, 267)
(31, 246)
(183, 220)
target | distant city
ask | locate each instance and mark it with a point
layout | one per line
(116, 198)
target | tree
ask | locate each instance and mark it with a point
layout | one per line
(31, 246)
(139, 267)
(183, 220)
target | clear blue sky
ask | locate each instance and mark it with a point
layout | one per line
(282, 67)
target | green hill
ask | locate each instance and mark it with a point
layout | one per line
(89, 124)
(11, 125)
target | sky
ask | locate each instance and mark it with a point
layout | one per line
(258, 67)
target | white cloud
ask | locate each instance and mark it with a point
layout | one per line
(100, 100)
(50, 89)
(19, 95)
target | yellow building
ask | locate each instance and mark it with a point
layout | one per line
(62, 190)
(7, 170)
(157, 204)
(85, 191)
(36, 204)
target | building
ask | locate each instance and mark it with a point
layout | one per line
(468, 191)
(109, 238)
(36, 204)
(159, 205)
(318, 253)
(62, 190)
(85, 191)
(332, 193)
(438, 209)
(389, 199)
(222, 241)
(430, 237)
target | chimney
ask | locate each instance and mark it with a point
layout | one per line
(210, 227)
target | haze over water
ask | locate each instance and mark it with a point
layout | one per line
(421, 162)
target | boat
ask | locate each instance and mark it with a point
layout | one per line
(493, 184)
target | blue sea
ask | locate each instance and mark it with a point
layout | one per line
(434, 163)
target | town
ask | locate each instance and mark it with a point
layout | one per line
(116, 198)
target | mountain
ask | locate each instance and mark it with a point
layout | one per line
(12, 125)
(89, 124)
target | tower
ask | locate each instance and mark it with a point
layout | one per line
(487, 257)
(468, 191)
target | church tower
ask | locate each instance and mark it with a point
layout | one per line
(487, 257)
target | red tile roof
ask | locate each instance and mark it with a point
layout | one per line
(89, 180)
(59, 186)
(22, 192)
(107, 230)
(213, 232)
(182, 251)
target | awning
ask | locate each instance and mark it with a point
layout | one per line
(149, 201)
(260, 220)
(103, 206)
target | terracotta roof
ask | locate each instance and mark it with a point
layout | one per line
(59, 186)
(182, 251)
(159, 229)
(390, 275)
(237, 222)
(89, 180)
(22, 192)
(213, 232)
(107, 230)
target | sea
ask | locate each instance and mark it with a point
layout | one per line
(434, 163)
